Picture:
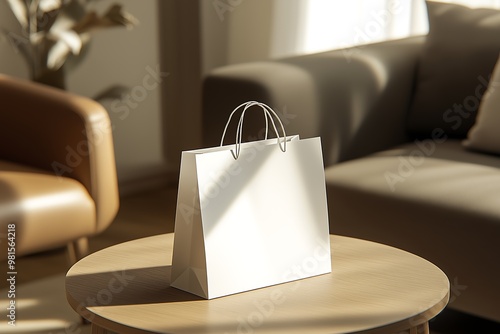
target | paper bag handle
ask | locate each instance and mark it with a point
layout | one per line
(268, 113)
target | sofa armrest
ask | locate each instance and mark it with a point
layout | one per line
(356, 99)
(62, 133)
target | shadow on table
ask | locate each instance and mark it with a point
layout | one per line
(127, 287)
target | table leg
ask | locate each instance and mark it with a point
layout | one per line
(98, 330)
(420, 329)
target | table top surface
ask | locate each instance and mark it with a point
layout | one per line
(373, 288)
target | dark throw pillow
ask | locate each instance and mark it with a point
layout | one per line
(458, 57)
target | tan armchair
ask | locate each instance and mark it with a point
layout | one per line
(58, 181)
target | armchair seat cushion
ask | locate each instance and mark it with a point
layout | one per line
(46, 209)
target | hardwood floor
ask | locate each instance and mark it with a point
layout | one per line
(153, 213)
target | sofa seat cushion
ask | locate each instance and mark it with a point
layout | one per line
(48, 211)
(437, 200)
(448, 176)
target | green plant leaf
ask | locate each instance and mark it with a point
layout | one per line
(57, 55)
(66, 42)
(71, 38)
(114, 16)
(89, 21)
(20, 10)
(48, 14)
(46, 6)
(57, 29)
(117, 16)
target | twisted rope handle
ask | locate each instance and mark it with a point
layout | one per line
(268, 114)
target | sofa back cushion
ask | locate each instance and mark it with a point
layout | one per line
(455, 66)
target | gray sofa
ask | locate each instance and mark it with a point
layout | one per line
(388, 178)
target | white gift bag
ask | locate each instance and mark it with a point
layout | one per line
(250, 215)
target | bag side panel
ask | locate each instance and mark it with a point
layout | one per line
(188, 259)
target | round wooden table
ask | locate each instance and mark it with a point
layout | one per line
(373, 288)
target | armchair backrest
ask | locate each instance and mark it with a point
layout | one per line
(62, 133)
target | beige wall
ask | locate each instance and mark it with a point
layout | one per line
(117, 56)
(214, 37)
(10, 62)
(235, 31)
(238, 31)
(249, 31)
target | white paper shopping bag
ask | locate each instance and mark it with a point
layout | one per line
(250, 215)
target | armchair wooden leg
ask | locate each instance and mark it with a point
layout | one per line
(77, 249)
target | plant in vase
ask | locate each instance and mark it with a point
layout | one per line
(55, 31)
